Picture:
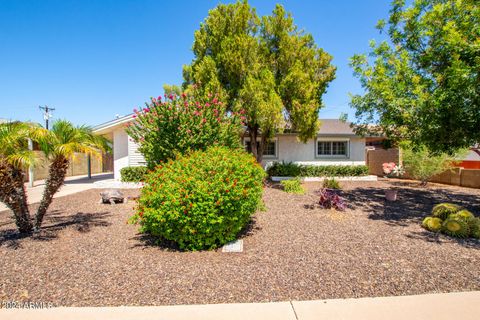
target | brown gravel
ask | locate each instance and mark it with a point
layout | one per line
(88, 256)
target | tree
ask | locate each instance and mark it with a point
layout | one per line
(15, 157)
(263, 67)
(423, 85)
(182, 124)
(59, 145)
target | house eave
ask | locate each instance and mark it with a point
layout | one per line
(110, 126)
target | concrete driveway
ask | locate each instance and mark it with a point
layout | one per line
(72, 185)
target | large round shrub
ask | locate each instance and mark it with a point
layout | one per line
(203, 200)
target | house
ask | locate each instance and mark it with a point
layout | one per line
(335, 144)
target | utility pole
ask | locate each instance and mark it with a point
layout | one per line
(46, 114)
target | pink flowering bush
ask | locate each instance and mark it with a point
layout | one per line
(390, 169)
(182, 124)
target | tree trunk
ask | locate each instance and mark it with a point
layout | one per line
(13, 194)
(256, 151)
(56, 177)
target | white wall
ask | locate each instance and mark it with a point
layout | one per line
(135, 158)
(290, 149)
(120, 151)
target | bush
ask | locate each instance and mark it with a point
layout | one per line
(331, 184)
(329, 199)
(281, 169)
(422, 164)
(133, 174)
(203, 200)
(292, 186)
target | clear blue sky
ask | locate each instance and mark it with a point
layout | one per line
(93, 59)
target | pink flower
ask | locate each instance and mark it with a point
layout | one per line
(134, 116)
(204, 120)
(159, 98)
(135, 110)
(215, 100)
(184, 95)
(207, 104)
(146, 110)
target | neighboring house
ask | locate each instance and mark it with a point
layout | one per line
(336, 144)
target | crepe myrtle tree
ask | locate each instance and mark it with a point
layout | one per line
(181, 124)
(265, 66)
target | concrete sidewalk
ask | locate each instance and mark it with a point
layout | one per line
(460, 305)
(72, 185)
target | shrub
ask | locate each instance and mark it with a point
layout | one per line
(281, 169)
(133, 174)
(293, 186)
(443, 210)
(331, 184)
(203, 200)
(422, 164)
(329, 199)
(284, 169)
(474, 225)
(182, 124)
(432, 224)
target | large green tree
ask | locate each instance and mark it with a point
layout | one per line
(264, 67)
(423, 84)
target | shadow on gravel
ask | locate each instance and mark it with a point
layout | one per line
(147, 240)
(413, 204)
(54, 222)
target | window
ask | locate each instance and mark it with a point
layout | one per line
(332, 148)
(269, 151)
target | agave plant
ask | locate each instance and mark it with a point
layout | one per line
(15, 157)
(60, 145)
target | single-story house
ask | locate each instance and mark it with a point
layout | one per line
(335, 144)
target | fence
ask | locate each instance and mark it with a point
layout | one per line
(78, 165)
(456, 176)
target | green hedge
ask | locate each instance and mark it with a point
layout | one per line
(282, 169)
(202, 200)
(133, 174)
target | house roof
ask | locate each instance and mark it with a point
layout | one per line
(112, 124)
(328, 127)
(335, 127)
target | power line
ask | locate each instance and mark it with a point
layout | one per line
(46, 114)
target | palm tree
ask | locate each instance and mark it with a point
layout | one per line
(15, 156)
(60, 145)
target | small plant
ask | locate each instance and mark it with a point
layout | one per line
(293, 186)
(390, 169)
(133, 174)
(329, 199)
(331, 184)
(432, 224)
(456, 227)
(443, 210)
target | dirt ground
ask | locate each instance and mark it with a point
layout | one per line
(87, 255)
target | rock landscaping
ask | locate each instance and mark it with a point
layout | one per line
(87, 255)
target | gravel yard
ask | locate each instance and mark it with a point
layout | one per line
(87, 255)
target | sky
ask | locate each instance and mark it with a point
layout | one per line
(92, 60)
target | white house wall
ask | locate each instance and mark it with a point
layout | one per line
(290, 149)
(135, 158)
(120, 151)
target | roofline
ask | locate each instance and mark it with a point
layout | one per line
(103, 127)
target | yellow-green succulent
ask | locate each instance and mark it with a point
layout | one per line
(456, 228)
(432, 224)
(443, 210)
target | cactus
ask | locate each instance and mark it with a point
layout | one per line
(464, 214)
(474, 225)
(432, 224)
(456, 227)
(443, 210)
